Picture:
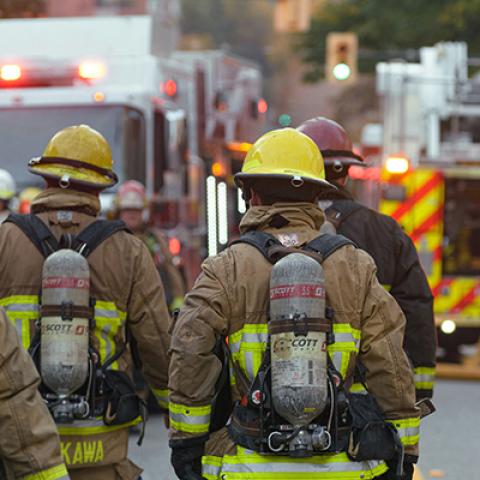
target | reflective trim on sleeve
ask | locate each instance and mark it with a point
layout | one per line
(424, 378)
(189, 419)
(161, 396)
(347, 338)
(92, 426)
(408, 430)
(387, 287)
(55, 473)
(211, 467)
(250, 465)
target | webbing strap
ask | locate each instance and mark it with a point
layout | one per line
(46, 243)
(340, 210)
(327, 244)
(36, 231)
(324, 245)
(260, 240)
(95, 233)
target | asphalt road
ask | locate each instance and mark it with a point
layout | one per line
(450, 439)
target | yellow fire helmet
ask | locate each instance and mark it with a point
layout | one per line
(284, 153)
(76, 155)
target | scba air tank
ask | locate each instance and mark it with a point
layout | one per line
(64, 325)
(298, 344)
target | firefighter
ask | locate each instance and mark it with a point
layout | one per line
(7, 192)
(126, 292)
(281, 178)
(26, 197)
(130, 203)
(29, 444)
(398, 266)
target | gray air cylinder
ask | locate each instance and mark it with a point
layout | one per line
(298, 347)
(64, 337)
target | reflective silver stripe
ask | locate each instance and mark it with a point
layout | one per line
(285, 467)
(424, 378)
(249, 364)
(408, 432)
(248, 338)
(106, 313)
(346, 338)
(337, 360)
(21, 307)
(190, 419)
(213, 470)
(19, 327)
(105, 334)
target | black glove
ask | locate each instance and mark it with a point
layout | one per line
(186, 457)
(392, 471)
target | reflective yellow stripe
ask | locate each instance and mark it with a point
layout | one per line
(424, 378)
(108, 321)
(211, 467)
(161, 396)
(55, 473)
(189, 419)
(357, 388)
(408, 430)
(250, 465)
(387, 287)
(93, 426)
(21, 309)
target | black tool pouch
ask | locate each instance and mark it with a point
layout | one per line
(123, 404)
(244, 427)
(371, 437)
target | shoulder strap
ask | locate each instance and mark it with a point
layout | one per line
(340, 210)
(36, 231)
(260, 240)
(326, 244)
(95, 233)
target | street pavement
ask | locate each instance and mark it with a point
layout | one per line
(450, 438)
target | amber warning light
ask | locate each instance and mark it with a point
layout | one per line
(397, 164)
(10, 73)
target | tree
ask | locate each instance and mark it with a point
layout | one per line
(21, 8)
(389, 28)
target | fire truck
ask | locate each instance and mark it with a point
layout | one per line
(174, 120)
(426, 175)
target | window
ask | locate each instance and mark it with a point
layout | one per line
(461, 254)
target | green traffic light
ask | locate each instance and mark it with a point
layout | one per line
(341, 71)
(285, 120)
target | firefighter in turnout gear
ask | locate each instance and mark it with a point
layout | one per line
(126, 313)
(398, 265)
(7, 192)
(231, 304)
(130, 203)
(29, 444)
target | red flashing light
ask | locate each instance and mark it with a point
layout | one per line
(10, 73)
(262, 106)
(170, 88)
(174, 246)
(91, 70)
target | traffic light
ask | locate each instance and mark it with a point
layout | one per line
(341, 57)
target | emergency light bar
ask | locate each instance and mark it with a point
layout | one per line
(92, 70)
(10, 72)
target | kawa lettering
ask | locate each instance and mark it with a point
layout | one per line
(81, 453)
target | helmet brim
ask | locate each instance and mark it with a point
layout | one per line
(346, 161)
(88, 178)
(241, 178)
